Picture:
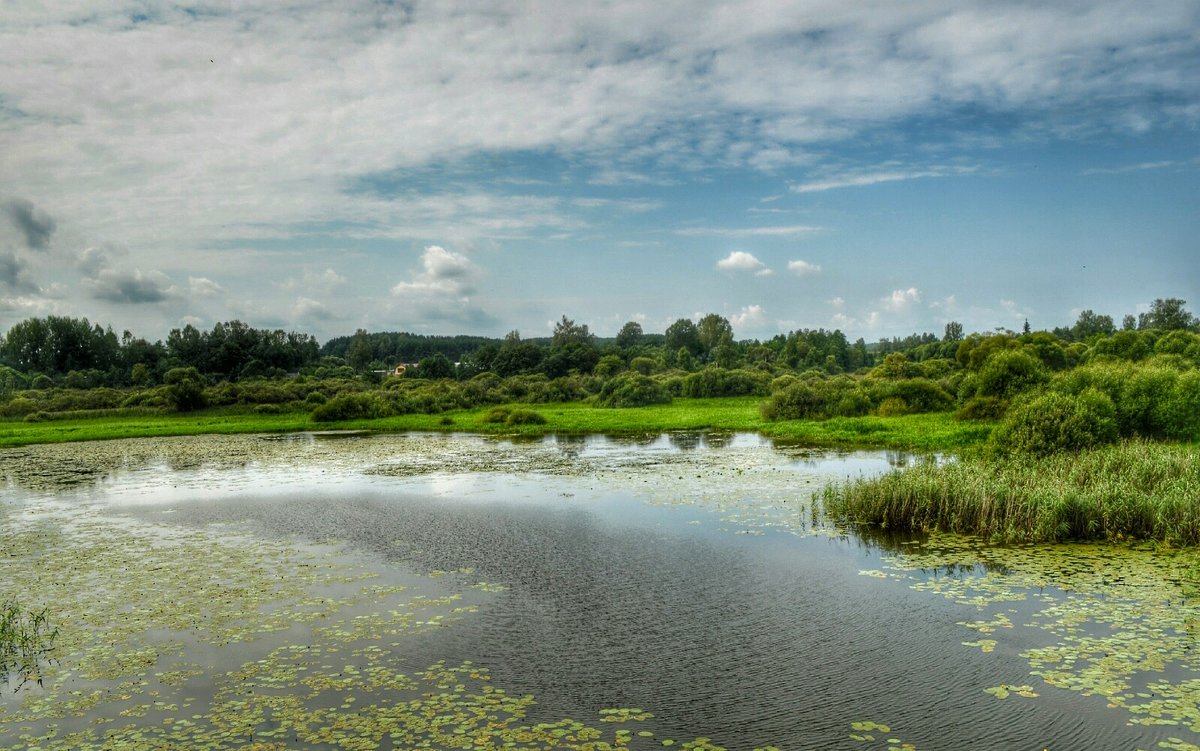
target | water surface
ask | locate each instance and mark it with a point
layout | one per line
(683, 579)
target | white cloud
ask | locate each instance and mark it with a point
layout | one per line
(901, 300)
(857, 179)
(307, 309)
(803, 268)
(200, 286)
(837, 302)
(750, 317)
(768, 231)
(740, 260)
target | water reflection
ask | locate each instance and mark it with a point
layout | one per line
(686, 573)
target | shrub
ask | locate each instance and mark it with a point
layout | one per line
(893, 407)
(713, 382)
(1008, 373)
(359, 406)
(982, 408)
(18, 407)
(921, 395)
(799, 401)
(497, 414)
(633, 389)
(185, 389)
(525, 417)
(1054, 422)
(1178, 411)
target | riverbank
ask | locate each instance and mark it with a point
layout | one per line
(925, 432)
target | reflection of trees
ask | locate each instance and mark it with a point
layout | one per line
(683, 440)
(718, 440)
(571, 446)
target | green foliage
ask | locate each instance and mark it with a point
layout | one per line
(435, 366)
(356, 406)
(1124, 345)
(817, 398)
(982, 408)
(1055, 422)
(525, 417)
(185, 389)
(918, 395)
(1009, 372)
(714, 381)
(26, 641)
(633, 390)
(1133, 489)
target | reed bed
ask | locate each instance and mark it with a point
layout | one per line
(1131, 490)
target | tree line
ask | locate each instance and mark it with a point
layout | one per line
(58, 351)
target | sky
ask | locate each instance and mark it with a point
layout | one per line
(476, 167)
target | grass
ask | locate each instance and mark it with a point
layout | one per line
(1132, 490)
(25, 641)
(929, 432)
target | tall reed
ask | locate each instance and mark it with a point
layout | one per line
(1132, 490)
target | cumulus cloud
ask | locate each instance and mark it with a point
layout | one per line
(442, 290)
(199, 286)
(750, 317)
(901, 300)
(34, 225)
(740, 260)
(307, 309)
(131, 287)
(803, 268)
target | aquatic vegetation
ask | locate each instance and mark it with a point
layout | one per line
(1121, 620)
(1136, 489)
(26, 641)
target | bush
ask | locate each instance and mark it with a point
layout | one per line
(185, 389)
(525, 417)
(893, 407)
(1008, 373)
(982, 408)
(1054, 422)
(1178, 411)
(921, 395)
(497, 414)
(633, 389)
(799, 401)
(360, 406)
(713, 382)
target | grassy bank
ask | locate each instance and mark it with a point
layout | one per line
(1135, 489)
(926, 432)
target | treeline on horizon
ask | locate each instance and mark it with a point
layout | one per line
(1146, 373)
(75, 353)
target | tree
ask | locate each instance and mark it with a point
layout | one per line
(1090, 324)
(1128, 323)
(567, 333)
(954, 332)
(712, 331)
(435, 366)
(1167, 315)
(359, 355)
(630, 335)
(682, 334)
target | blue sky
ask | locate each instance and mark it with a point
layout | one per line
(478, 167)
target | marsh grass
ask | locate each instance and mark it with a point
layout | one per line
(923, 432)
(1132, 490)
(26, 639)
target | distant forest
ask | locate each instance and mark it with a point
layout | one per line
(69, 352)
